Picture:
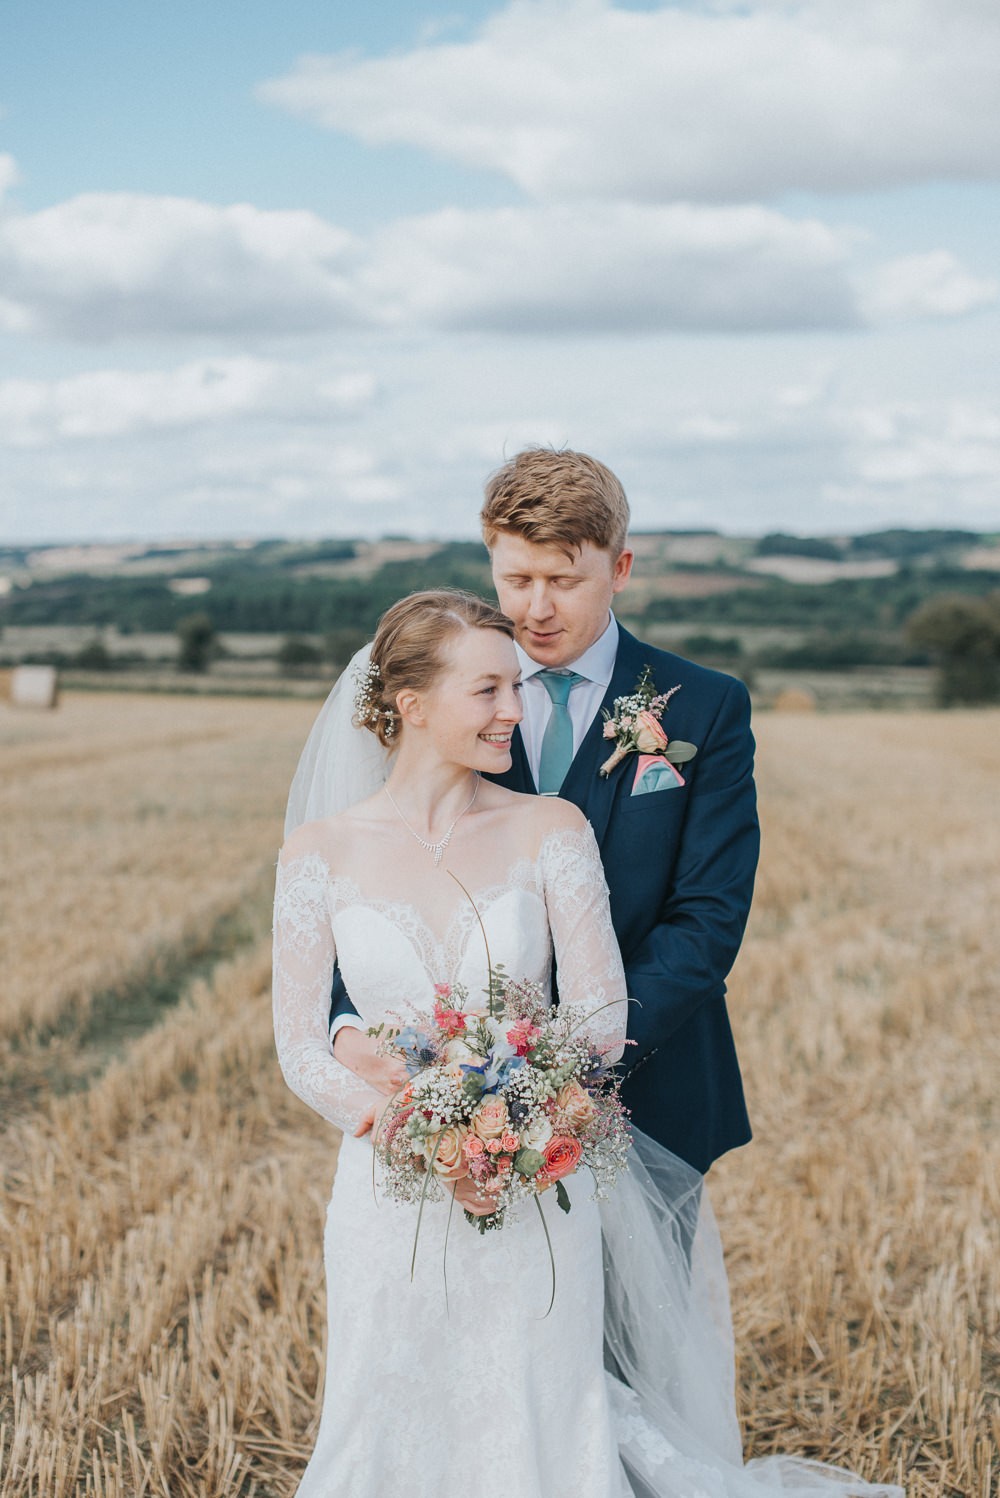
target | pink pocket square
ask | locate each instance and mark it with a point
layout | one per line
(654, 773)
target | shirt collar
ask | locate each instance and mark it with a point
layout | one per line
(596, 664)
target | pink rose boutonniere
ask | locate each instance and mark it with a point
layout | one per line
(635, 728)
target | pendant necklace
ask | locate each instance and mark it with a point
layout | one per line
(436, 848)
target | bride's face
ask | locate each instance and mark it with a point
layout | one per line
(472, 708)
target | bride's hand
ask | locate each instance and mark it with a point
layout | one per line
(359, 1053)
(371, 1121)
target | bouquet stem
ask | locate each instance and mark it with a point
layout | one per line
(614, 759)
(485, 1224)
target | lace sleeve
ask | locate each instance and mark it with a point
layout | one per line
(304, 955)
(590, 976)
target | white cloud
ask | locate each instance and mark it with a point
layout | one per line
(118, 265)
(578, 98)
(117, 403)
(104, 265)
(9, 174)
(917, 444)
(615, 267)
(701, 432)
(928, 285)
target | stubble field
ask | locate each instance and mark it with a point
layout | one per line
(162, 1325)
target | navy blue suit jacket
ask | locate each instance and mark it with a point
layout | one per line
(680, 865)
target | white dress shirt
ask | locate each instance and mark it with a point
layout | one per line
(595, 665)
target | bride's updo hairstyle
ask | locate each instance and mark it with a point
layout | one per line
(409, 648)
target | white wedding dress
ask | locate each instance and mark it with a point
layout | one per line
(456, 1382)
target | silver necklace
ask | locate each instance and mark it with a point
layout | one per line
(436, 848)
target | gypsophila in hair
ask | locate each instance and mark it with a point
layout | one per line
(368, 708)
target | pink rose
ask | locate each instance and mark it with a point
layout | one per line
(494, 1146)
(449, 1161)
(490, 1119)
(509, 1143)
(650, 738)
(562, 1156)
(473, 1146)
(576, 1105)
(609, 729)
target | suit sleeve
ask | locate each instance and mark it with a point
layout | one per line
(342, 1011)
(687, 955)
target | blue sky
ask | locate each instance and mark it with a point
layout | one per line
(315, 270)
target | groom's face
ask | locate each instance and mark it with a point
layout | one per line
(560, 605)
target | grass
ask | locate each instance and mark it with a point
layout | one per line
(162, 1322)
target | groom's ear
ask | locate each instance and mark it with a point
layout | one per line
(622, 570)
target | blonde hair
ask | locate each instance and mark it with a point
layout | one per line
(408, 650)
(558, 499)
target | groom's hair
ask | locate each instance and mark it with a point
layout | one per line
(556, 498)
(409, 649)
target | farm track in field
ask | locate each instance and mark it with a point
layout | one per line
(161, 1302)
(71, 1051)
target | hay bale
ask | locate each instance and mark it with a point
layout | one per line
(34, 686)
(795, 700)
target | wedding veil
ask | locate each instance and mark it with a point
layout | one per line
(341, 764)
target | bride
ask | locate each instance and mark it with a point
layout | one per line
(626, 1387)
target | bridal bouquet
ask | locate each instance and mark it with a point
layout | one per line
(511, 1094)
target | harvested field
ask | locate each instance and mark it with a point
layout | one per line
(160, 1223)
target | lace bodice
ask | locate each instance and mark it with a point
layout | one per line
(392, 952)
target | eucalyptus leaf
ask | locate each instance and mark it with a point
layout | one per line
(473, 1086)
(678, 752)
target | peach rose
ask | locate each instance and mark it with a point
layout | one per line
(509, 1143)
(562, 1156)
(473, 1146)
(650, 737)
(576, 1105)
(490, 1119)
(450, 1161)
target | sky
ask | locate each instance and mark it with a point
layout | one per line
(314, 269)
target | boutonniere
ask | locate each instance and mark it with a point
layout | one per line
(634, 725)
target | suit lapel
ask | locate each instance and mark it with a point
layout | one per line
(591, 791)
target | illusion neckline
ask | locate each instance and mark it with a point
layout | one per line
(463, 917)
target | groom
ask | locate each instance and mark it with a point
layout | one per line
(679, 848)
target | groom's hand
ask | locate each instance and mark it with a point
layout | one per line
(359, 1052)
(473, 1199)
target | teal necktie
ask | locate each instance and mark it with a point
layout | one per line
(557, 744)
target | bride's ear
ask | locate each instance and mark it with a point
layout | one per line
(409, 707)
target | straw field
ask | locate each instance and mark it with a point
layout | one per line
(162, 1322)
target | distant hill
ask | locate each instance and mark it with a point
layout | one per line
(778, 600)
